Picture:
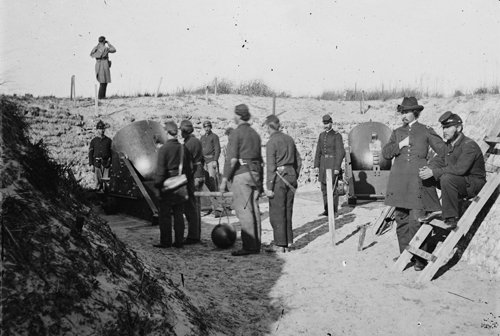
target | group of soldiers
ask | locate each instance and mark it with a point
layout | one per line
(456, 167)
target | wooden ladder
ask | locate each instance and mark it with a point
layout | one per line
(445, 251)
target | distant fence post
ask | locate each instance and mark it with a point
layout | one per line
(215, 86)
(274, 104)
(158, 88)
(206, 94)
(361, 102)
(72, 94)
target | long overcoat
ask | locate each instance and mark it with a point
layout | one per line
(405, 188)
(329, 153)
(100, 53)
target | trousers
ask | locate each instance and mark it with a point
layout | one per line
(192, 210)
(281, 211)
(166, 212)
(102, 90)
(335, 196)
(246, 205)
(407, 225)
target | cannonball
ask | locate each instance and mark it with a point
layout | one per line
(223, 235)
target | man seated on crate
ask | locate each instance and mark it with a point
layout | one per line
(459, 169)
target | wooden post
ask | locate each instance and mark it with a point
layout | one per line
(362, 102)
(72, 95)
(215, 86)
(331, 213)
(206, 94)
(158, 88)
(274, 104)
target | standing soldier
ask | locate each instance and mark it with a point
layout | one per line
(211, 152)
(329, 155)
(102, 64)
(406, 191)
(283, 164)
(244, 167)
(171, 205)
(192, 207)
(100, 156)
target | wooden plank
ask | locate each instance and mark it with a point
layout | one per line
(416, 241)
(492, 140)
(331, 213)
(362, 235)
(421, 253)
(138, 181)
(213, 194)
(348, 168)
(387, 212)
(463, 227)
(438, 223)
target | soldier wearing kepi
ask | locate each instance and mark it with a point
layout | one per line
(329, 155)
(283, 165)
(244, 166)
(192, 207)
(100, 156)
(412, 197)
(459, 169)
(211, 152)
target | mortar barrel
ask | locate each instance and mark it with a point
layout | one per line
(366, 141)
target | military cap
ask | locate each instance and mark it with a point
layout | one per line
(409, 104)
(327, 119)
(271, 119)
(101, 125)
(187, 126)
(207, 123)
(242, 111)
(171, 127)
(450, 119)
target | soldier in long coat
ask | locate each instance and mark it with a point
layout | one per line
(244, 167)
(330, 153)
(409, 147)
(102, 65)
(283, 165)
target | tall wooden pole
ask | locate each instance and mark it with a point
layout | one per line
(274, 104)
(215, 86)
(96, 99)
(158, 88)
(331, 213)
(72, 95)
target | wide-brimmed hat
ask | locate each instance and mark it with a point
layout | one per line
(409, 104)
(450, 119)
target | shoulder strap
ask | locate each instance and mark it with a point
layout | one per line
(182, 159)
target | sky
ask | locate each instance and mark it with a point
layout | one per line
(299, 47)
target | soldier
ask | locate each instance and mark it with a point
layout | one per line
(244, 167)
(169, 158)
(102, 65)
(329, 155)
(412, 197)
(100, 156)
(192, 207)
(283, 164)
(211, 152)
(459, 169)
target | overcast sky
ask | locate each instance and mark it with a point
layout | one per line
(301, 47)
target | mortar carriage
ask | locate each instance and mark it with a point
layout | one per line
(367, 172)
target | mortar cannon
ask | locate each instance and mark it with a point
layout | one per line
(367, 171)
(134, 161)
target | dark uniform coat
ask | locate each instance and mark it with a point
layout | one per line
(405, 188)
(281, 153)
(211, 147)
(169, 156)
(464, 158)
(194, 147)
(329, 153)
(100, 147)
(244, 144)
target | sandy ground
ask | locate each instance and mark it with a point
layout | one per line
(318, 288)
